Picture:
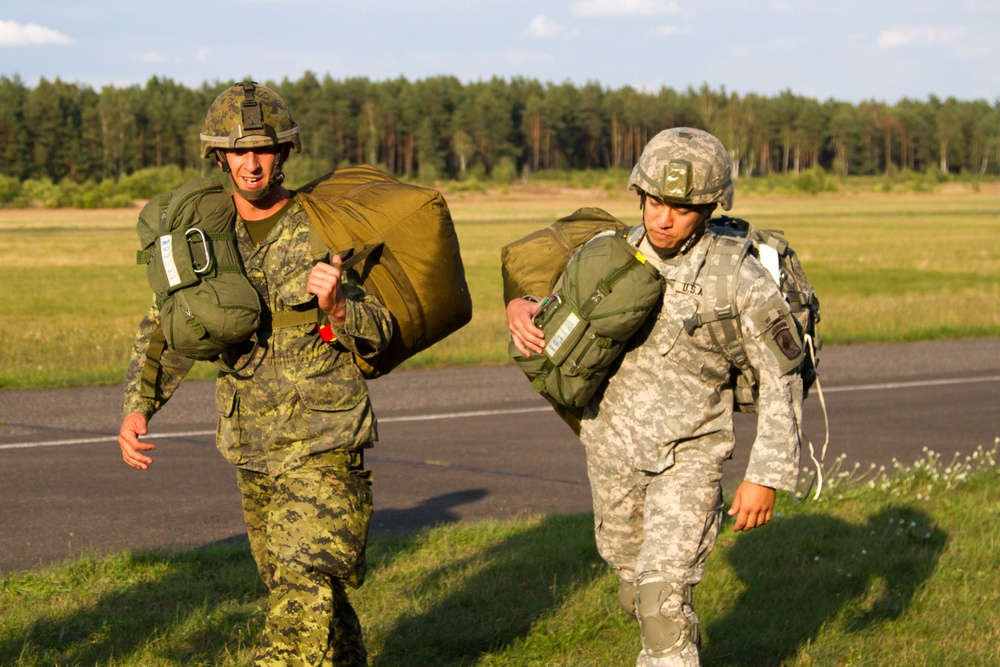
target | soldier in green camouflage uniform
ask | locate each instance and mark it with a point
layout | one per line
(658, 434)
(296, 417)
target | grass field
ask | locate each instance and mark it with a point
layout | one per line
(887, 267)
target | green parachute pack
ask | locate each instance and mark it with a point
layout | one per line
(188, 245)
(605, 294)
(534, 266)
(400, 240)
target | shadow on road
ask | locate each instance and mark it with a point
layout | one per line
(429, 513)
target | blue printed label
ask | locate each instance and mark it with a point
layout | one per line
(564, 331)
(167, 254)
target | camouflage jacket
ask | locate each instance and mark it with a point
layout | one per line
(296, 395)
(673, 386)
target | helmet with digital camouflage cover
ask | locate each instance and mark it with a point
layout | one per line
(684, 165)
(248, 115)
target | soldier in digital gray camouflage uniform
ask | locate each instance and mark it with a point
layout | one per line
(296, 417)
(658, 434)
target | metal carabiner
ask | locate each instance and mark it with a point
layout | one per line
(204, 244)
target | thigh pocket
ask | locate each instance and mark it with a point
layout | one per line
(340, 387)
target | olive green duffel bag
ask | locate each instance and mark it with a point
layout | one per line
(400, 240)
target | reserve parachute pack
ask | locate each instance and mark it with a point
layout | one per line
(718, 309)
(605, 294)
(400, 240)
(188, 245)
(588, 312)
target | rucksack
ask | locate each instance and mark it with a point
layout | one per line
(207, 304)
(405, 252)
(718, 310)
(606, 292)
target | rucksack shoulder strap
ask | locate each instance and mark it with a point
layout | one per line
(718, 297)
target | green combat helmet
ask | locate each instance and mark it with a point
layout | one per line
(683, 165)
(249, 115)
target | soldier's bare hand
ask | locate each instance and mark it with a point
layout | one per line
(133, 426)
(753, 506)
(526, 336)
(324, 283)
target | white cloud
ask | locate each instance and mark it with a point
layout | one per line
(14, 34)
(624, 8)
(542, 27)
(918, 36)
(203, 53)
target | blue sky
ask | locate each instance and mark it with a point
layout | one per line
(849, 50)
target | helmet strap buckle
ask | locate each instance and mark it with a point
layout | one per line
(253, 115)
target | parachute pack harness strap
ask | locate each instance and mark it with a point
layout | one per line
(401, 241)
(194, 268)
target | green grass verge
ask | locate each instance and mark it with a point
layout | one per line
(895, 570)
(887, 267)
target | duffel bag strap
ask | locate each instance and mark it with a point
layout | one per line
(291, 318)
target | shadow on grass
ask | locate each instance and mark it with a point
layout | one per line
(194, 607)
(201, 603)
(431, 512)
(501, 591)
(808, 571)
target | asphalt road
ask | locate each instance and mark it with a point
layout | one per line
(455, 444)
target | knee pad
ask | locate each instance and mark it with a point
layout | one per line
(660, 605)
(626, 596)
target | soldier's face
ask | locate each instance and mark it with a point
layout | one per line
(670, 225)
(252, 169)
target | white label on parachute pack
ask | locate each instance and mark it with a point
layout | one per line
(565, 329)
(769, 258)
(167, 254)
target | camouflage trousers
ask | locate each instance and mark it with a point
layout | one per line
(656, 528)
(308, 528)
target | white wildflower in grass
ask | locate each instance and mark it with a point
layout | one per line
(918, 481)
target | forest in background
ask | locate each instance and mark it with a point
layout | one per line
(442, 129)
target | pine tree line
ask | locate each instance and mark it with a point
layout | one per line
(442, 128)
